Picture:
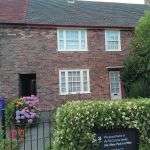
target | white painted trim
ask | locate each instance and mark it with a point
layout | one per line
(119, 40)
(81, 80)
(88, 81)
(66, 77)
(64, 34)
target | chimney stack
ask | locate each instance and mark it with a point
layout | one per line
(147, 2)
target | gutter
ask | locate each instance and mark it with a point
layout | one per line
(49, 26)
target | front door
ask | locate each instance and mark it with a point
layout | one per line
(115, 85)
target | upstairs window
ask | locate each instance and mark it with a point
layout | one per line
(74, 81)
(112, 40)
(72, 40)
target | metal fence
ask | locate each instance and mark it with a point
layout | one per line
(37, 136)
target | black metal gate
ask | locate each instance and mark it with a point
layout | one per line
(37, 136)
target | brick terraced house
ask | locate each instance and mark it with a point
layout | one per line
(64, 49)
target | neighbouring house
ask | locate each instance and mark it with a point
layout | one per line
(64, 49)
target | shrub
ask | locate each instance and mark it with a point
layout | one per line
(75, 121)
(136, 72)
(10, 111)
(139, 88)
(8, 145)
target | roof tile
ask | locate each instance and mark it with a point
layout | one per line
(82, 13)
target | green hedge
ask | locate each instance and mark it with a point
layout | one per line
(8, 145)
(75, 121)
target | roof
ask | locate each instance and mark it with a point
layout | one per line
(81, 13)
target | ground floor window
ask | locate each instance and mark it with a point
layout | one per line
(74, 81)
(27, 84)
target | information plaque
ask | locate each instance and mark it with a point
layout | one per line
(118, 139)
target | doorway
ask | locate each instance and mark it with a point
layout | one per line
(115, 85)
(27, 84)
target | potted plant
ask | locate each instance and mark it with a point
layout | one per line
(27, 110)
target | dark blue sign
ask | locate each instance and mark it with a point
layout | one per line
(119, 139)
(2, 103)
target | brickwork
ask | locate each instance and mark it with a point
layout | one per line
(27, 50)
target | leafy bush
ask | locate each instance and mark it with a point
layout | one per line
(10, 111)
(75, 121)
(144, 146)
(136, 72)
(139, 88)
(8, 145)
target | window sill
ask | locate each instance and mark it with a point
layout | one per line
(63, 94)
(113, 50)
(86, 50)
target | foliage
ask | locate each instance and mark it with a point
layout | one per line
(144, 146)
(136, 74)
(26, 109)
(76, 121)
(8, 145)
(10, 111)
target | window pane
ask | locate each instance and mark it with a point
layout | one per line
(74, 87)
(83, 38)
(63, 82)
(113, 45)
(72, 40)
(84, 76)
(61, 37)
(72, 44)
(83, 44)
(115, 87)
(74, 84)
(85, 86)
(82, 35)
(73, 35)
(76, 81)
(63, 87)
(114, 82)
(112, 36)
(112, 40)
(85, 83)
(61, 44)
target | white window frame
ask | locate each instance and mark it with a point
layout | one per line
(67, 50)
(119, 40)
(66, 78)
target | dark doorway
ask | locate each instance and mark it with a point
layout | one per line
(27, 84)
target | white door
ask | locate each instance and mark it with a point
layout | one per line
(115, 85)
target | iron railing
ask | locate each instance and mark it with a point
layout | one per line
(37, 136)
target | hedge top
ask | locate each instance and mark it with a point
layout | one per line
(75, 121)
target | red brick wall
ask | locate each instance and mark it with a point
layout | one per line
(13, 10)
(35, 51)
